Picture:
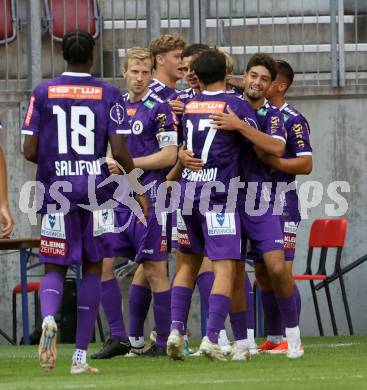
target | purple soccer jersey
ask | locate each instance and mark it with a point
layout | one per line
(219, 150)
(270, 121)
(298, 145)
(163, 91)
(151, 127)
(72, 116)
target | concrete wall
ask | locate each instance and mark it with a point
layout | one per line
(338, 138)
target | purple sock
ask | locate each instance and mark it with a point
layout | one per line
(180, 307)
(272, 313)
(249, 293)
(88, 302)
(139, 302)
(205, 283)
(288, 311)
(298, 301)
(162, 316)
(51, 290)
(239, 325)
(111, 301)
(218, 311)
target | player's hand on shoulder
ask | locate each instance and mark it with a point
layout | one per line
(112, 166)
(188, 160)
(226, 120)
(177, 106)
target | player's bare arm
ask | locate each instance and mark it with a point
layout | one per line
(231, 122)
(6, 220)
(188, 159)
(301, 165)
(166, 157)
(30, 148)
(177, 106)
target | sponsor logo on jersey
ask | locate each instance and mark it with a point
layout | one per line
(148, 251)
(219, 224)
(262, 111)
(131, 111)
(117, 113)
(103, 222)
(274, 124)
(291, 227)
(75, 92)
(30, 111)
(52, 247)
(53, 225)
(137, 127)
(297, 128)
(149, 103)
(208, 107)
(163, 246)
(183, 238)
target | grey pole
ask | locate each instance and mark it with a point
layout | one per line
(334, 54)
(34, 43)
(198, 12)
(341, 43)
(153, 8)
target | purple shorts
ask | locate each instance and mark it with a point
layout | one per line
(264, 233)
(137, 241)
(217, 234)
(78, 236)
(289, 235)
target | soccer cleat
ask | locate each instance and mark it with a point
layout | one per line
(241, 352)
(155, 351)
(175, 345)
(198, 353)
(187, 349)
(112, 347)
(82, 368)
(153, 336)
(282, 348)
(211, 350)
(135, 352)
(47, 347)
(226, 349)
(267, 346)
(295, 347)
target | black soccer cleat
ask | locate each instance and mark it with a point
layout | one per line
(112, 347)
(155, 351)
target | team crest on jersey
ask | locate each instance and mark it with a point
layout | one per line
(53, 225)
(137, 127)
(103, 222)
(262, 111)
(149, 104)
(117, 113)
(219, 224)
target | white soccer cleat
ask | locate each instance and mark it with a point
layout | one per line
(241, 352)
(135, 352)
(211, 350)
(82, 368)
(253, 348)
(295, 347)
(175, 345)
(47, 347)
(198, 353)
(226, 349)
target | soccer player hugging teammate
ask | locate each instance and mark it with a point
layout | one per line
(297, 160)
(215, 231)
(260, 224)
(166, 51)
(69, 122)
(151, 138)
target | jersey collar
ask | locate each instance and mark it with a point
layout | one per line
(211, 93)
(77, 74)
(283, 106)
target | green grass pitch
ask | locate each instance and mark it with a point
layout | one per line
(329, 363)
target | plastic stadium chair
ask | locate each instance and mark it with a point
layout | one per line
(325, 234)
(8, 21)
(67, 15)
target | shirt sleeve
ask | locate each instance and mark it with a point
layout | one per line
(275, 125)
(298, 142)
(118, 121)
(165, 125)
(32, 120)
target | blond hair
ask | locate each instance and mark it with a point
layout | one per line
(229, 61)
(165, 43)
(137, 53)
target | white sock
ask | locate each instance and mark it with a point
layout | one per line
(242, 343)
(293, 332)
(80, 356)
(137, 342)
(251, 335)
(46, 320)
(275, 339)
(186, 337)
(222, 338)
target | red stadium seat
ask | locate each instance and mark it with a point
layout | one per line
(68, 15)
(325, 234)
(8, 21)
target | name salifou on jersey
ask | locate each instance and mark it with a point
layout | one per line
(206, 174)
(77, 168)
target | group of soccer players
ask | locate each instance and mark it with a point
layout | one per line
(202, 138)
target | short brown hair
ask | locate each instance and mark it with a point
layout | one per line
(137, 53)
(165, 43)
(264, 60)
